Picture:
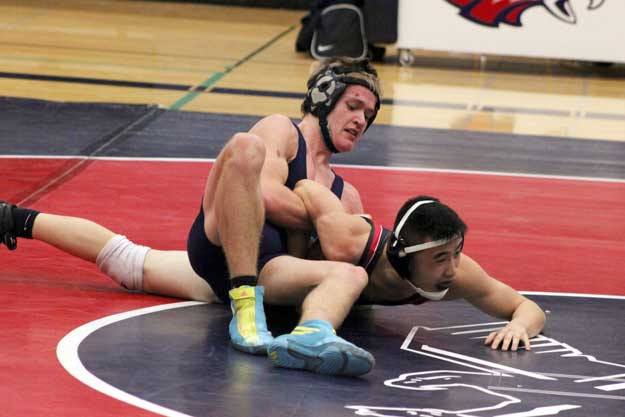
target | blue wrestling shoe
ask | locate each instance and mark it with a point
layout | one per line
(248, 328)
(7, 235)
(314, 346)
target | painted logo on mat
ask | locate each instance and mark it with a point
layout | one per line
(494, 12)
(554, 378)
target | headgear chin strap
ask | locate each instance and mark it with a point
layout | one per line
(325, 134)
(325, 90)
(430, 295)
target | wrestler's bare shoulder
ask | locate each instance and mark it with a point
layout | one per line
(277, 131)
(276, 121)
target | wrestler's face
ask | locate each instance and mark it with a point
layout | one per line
(434, 269)
(349, 118)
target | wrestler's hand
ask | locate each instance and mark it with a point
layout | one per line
(509, 337)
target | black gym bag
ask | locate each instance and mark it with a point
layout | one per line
(334, 28)
(348, 28)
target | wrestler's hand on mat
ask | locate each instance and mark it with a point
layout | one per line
(509, 337)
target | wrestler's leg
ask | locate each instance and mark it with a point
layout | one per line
(170, 273)
(165, 273)
(233, 205)
(115, 255)
(326, 291)
(76, 236)
(342, 236)
(234, 214)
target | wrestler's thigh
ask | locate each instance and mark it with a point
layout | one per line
(287, 280)
(244, 155)
(170, 273)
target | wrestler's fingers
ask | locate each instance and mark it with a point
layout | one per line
(490, 338)
(506, 341)
(515, 343)
(496, 341)
(526, 342)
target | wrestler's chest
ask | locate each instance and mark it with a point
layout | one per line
(322, 175)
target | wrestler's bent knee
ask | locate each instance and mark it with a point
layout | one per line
(354, 278)
(245, 153)
(123, 260)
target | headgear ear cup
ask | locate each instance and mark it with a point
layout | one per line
(395, 246)
(395, 251)
(399, 242)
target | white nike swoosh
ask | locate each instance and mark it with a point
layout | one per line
(323, 48)
(26, 222)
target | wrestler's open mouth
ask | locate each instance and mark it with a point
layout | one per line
(443, 285)
(352, 132)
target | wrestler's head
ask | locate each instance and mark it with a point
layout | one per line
(345, 96)
(425, 245)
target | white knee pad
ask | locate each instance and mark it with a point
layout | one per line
(123, 261)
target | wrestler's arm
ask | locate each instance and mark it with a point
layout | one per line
(298, 241)
(351, 199)
(498, 299)
(282, 206)
(342, 236)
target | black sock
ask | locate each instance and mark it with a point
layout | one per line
(241, 280)
(24, 219)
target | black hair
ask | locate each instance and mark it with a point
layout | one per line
(429, 222)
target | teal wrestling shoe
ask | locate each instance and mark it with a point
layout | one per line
(314, 346)
(248, 327)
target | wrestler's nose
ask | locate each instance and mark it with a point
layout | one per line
(360, 120)
(450, 271)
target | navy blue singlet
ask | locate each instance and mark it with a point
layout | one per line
(208, 260)
(297, 168)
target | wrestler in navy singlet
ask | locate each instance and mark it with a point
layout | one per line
(208, 260)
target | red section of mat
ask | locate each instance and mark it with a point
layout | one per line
(46, 294)
(19, 178)
(535, 234)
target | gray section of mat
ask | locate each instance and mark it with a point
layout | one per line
(177, 134)
(34, 127)
(480, 151)
(199, 135)
(38, 127)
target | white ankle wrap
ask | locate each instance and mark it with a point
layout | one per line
(123, 261)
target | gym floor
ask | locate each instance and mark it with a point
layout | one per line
(114, 111)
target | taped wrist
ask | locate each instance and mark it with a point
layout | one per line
(123, 260)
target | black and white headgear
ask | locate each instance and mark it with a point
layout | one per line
(398, 248)
(325, 90)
